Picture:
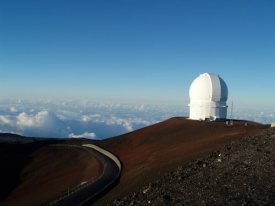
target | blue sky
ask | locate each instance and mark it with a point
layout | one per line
(136, 50)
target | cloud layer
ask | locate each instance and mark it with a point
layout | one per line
(93, 120)
(78, 119)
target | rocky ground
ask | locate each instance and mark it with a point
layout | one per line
(241, 173)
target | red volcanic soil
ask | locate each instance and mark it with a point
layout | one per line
(149, 153)
(34, 173)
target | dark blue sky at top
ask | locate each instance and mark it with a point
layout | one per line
(136, 50)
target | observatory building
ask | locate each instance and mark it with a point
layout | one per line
(208, 95)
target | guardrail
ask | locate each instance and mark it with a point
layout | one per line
(86, 184)
(105, 152)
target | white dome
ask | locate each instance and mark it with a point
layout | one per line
(208, 87)
(208, 95)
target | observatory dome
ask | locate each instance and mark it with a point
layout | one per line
(208, 95)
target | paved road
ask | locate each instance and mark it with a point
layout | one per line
(89, 193)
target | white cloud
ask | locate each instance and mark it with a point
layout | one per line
(13, 109)
(85, 118)
(88, 135)
(24, 120)
(64, 119)
(41, 124)
(5, 120)
(43, 119)
(126, 123)
(128, 126)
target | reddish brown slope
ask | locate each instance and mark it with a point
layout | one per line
(150, 152)
(48, 173)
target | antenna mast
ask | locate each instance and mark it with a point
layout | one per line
(231, 115)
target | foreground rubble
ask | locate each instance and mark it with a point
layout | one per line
(241, 173)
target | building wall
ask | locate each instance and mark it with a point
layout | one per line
(204, 111)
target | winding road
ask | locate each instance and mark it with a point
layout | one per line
(89, 192)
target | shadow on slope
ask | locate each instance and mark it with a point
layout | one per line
(15, 153)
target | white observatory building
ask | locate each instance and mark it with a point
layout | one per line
(208, 95)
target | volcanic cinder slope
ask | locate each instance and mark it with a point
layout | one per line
(150, 152)
(240, 173)
(34, 172)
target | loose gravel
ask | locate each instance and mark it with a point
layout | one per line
(241, 173)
